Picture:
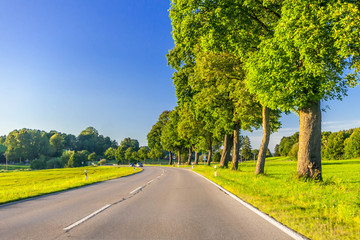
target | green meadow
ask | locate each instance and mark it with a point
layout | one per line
(14, 167)
(318, 210)
(17, 185)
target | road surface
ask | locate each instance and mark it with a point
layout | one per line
(158, 203)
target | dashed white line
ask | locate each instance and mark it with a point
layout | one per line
(86, 218)
(150, 181)
(135, 190)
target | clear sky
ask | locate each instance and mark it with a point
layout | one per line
(69, 64)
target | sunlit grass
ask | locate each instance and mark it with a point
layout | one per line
(14, 167)
(20, 185)
(318, 210)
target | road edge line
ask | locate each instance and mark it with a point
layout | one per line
(86, 218)
(266, 217)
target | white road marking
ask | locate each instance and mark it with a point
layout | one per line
(135, 190)
(271, 220)
(86, 218)
(150, 181)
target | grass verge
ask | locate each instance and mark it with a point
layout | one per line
(21, 185)
(318, 210)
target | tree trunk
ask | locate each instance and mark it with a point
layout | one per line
(179, 157)
(170, 158)
(260, 165)
(309, 155)
(235, 157)
(210, 154)
(190, 155)
(225, 155)
(196, 160)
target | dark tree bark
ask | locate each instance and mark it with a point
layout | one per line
(309, 155)
(225, 155)
(170, 158)
(210, 154)
(260, 165)
(190, 155)
(196, 160)
(235, 157)
(179, 157)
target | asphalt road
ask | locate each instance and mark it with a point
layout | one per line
(158, 203)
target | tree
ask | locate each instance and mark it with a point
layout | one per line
(335, 146)
(153, 137)
(92, 157)
(286, 144)
(308, 54)
(110, 153)
(57, 142)
(352, 145)
(143, 153)
(170, 139)
(276, 150)
(246, 148)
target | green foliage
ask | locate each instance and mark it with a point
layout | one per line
(216, 157)
(154, 136)
(38, 164)
(54, 163)
(102, 162)
(335, 146)
(57, 142)
(92, 157)
(352, 145)
(294, 151)
(308, 54)
(110, 153)
(246, 148)
(90, 140)
(143, 153)
(276, 150)
(286, 144)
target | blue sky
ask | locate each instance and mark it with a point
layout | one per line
(69, 64)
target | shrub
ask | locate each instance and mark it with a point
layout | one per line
(54, 163)
(101, 162)
(38, 164)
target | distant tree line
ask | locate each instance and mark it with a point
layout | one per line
(343, 144)
(55, 149)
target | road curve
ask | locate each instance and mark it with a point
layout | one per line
(158, 203)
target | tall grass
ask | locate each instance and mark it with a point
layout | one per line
(20, 185)
(318, 210)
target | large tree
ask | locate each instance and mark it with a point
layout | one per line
(305, 60)
(153, 137)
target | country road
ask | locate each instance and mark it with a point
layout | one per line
(158, 203)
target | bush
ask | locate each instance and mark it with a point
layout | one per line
(101, 162)
(54, 163)
(38, 164)
(216, 157)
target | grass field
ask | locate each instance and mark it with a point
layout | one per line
(318, 210)
(14, 167)
(24, 184)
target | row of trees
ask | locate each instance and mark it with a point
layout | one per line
(28, 144)
(128, 150)
(54, 149)
(238, 64)
(336, 145)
